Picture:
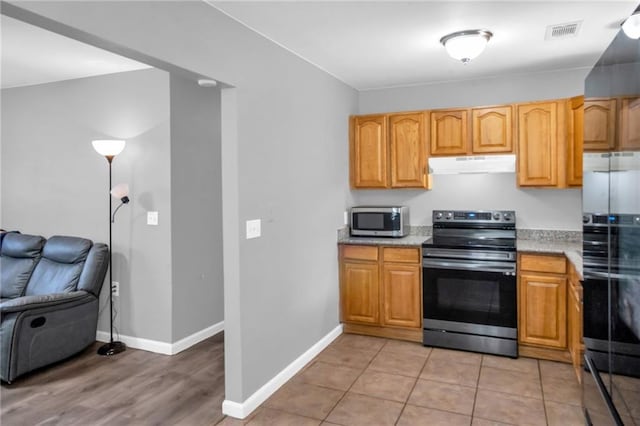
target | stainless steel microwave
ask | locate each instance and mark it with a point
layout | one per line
(370, 221)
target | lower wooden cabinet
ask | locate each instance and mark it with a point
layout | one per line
(360, 292)
(381, 291)
(542, 306)
(574, 322)
(401, 295)
(543, 310)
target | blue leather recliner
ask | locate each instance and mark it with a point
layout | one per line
(49, 292)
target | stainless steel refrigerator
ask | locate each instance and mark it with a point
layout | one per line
(611, 237)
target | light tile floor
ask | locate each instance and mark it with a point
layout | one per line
(360, 380)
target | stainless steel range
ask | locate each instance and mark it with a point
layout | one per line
(469, 282)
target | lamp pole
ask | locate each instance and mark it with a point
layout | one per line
(112, 347)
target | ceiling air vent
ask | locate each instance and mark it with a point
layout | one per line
(560, 31)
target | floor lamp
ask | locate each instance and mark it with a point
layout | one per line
(110, 148)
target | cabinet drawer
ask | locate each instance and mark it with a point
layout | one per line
(404, 255)
(360, 252)
(543, 263)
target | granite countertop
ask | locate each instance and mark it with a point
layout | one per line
(568, 243)
(409, 240)
(571, 249)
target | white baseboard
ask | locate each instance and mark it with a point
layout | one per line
(163, 347)
(196, 337)
(242, 410)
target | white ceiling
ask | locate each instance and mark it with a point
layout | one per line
(31, 55)
(363, 43)
(396, 43)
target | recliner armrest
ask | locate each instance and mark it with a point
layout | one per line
(25, 303)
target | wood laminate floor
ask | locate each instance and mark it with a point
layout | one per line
(132, 388)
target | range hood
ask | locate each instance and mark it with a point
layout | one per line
(472, 164)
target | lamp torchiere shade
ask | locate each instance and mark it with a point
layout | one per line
(108, 147)
(120, 191)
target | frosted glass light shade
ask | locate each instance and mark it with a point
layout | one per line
(466, 45)
(108, 147)
(631, 26)
(120, 191)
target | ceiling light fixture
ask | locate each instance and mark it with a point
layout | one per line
(631, 26)
(466, 45)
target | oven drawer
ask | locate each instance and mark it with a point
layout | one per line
(543, 263)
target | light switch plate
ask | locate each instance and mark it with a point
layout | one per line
(253, 229)
(152, 218)
(346, 217)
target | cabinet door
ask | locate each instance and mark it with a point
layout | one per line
(630, 124)
(449, 132)
(574, 328)
(599, 124)
(408, 154)
(575, 141)
(492, 131)
(401, 299)
(538, 144)
(360, 292)
(369, 152)
(542, 310)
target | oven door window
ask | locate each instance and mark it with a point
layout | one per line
(474, 297)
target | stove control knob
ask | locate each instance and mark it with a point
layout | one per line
(507, 216)
(586, 219)
(439, 215)
(496, 216)
(449, 215)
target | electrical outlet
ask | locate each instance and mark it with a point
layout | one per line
(115, 288)
(346, 217)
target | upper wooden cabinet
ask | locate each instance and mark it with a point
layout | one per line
(492, 130)
(471, 131)
(550, 143)
(612, 124)
(391, 150)
(388, 151)
(408, 150)
(368, 152)
(538, 144)
(599, 124)
(575, 140)
(630, 124)
(450, 132)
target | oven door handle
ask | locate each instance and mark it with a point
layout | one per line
(500, 267)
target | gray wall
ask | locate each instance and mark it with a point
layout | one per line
(53, 182)
(196, 207)
(291, 170)
(535, 208)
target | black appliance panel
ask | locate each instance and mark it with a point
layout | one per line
(377, 221)
(470, 296)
